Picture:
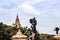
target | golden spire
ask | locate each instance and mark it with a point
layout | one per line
(17, 17)
(17, 22)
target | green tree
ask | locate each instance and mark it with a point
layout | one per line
(6, 31)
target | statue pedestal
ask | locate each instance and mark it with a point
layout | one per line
(19, 36)
(57, 37)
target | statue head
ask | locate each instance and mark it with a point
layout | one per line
(33, 21)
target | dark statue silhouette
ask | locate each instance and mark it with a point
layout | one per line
(33, 22)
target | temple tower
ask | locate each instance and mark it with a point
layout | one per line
(18, 35)
(17, 22)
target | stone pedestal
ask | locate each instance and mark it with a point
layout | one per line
(19, 36)
(57, 37)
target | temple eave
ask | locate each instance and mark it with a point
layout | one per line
(19, 36)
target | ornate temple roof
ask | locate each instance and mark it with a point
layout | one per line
(18, 25)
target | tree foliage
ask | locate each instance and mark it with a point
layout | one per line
(6, 31)
(26, 31)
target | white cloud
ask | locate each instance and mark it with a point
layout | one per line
(29, 9)
(37, 0)
(32, 2)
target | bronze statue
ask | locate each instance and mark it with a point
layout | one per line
(34, 23)
(33, 27)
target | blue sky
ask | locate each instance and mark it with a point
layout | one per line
(47, 13)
